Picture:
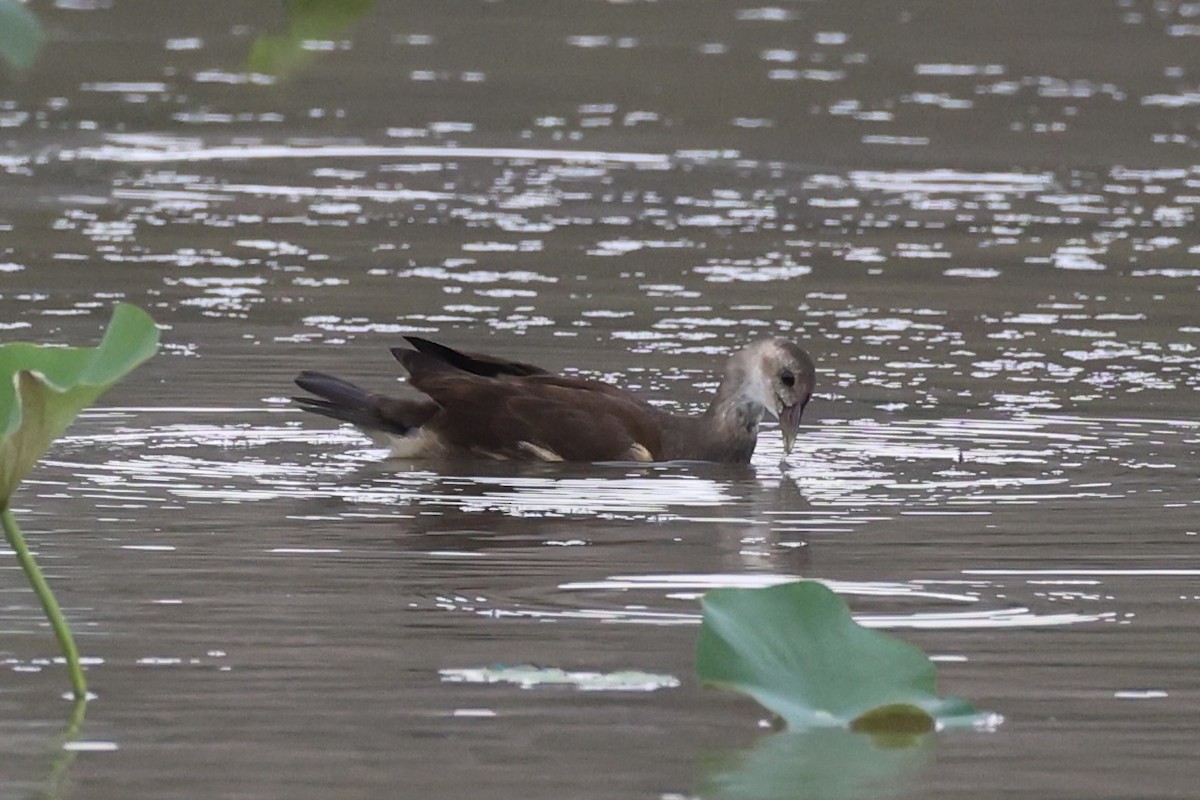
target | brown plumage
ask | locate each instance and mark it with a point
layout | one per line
(474, 405)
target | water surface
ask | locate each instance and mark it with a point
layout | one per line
(979, 222)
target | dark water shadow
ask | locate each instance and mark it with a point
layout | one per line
(815, 765)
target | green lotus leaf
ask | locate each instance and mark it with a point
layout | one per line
(307, 20)
(796, 650)
(21, 34)
(43, 389)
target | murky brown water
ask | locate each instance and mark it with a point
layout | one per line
(979, 216)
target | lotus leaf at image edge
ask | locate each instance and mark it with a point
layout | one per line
(42, 390)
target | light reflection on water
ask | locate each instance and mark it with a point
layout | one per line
(944, 466)
(689, 588)
(1051, 349)
(852, 477)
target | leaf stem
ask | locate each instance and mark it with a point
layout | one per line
(53, 613)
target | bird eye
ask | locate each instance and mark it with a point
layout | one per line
(788, 378)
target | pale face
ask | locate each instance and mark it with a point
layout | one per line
(774, 377)
(784, 376)
(790, 374)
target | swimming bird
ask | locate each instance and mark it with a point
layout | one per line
(473, 405)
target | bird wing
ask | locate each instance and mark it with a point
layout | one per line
(550, 418)
(475, 363)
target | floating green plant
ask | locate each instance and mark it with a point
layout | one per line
(308, 22)
(21, 34)
(796, 650)
(42, 390)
